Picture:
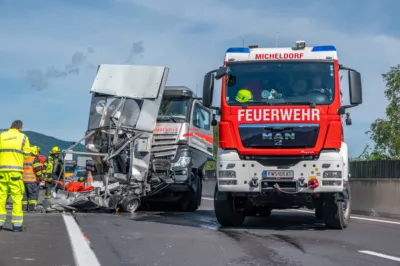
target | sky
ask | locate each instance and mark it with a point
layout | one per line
(50, 49)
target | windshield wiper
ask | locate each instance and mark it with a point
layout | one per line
(246, 105)
(166, 118)
(311, 104)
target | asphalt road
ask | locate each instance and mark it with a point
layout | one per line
(285, 238)
(173, 238)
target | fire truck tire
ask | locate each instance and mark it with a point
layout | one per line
(337, 214)
(225, 210)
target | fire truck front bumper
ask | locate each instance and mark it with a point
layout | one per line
(327, 174)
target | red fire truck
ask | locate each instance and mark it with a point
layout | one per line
(281, 143)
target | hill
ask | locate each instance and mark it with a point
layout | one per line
(47, 142)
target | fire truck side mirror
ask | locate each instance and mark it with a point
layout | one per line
(208, 88)
(221, 72)
(355, 87)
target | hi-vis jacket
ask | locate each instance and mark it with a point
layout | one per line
(53, 166)
(32, 171)
(14, 147)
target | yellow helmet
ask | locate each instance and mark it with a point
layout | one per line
(244, 95)
(55, 150)
(35, 150)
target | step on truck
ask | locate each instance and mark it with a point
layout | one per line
(147, 142)
(281, 143)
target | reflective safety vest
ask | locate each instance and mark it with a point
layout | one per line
(29, 171)
(14, 148)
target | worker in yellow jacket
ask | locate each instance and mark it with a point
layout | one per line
(54, 166)
(32, 174)
(14, 148)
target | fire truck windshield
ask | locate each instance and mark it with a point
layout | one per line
(280, 82)
(173, 109)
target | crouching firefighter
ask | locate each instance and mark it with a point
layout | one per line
(53, 166)
(32, 174)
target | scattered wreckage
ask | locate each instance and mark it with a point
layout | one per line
(134, 159)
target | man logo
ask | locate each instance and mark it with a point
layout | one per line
(278, 137)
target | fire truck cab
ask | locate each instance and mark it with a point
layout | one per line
(281, 143)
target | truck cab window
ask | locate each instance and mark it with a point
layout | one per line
(201, 117)
(174, 108)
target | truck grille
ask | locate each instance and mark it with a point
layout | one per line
(164, 152)
(164, 139)
(279, 135)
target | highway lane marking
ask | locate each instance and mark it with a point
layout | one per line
(353, 217)
(83, 254)
(372, 253)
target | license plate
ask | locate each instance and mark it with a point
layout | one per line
(278, 174)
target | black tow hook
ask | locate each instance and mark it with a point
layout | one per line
(254, 182)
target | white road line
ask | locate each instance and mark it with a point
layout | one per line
(83, 254)
(358, 218)
(352, 217)
(372, 253)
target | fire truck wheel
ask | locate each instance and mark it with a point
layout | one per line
(224, 209)
(337, 214)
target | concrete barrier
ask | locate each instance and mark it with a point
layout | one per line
(376, 197)
(371, 197)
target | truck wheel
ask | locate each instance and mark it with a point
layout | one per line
(225, 209)
(131, 205)
(337, 215)
(199, 192)
(191, 201)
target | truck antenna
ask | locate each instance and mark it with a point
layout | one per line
(277, 39)
(197, 85)
(243, 42)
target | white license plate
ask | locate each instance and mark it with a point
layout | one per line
(278, 174)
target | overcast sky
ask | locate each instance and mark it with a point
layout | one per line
(49, 49)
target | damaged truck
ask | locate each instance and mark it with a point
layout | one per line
(148, 143)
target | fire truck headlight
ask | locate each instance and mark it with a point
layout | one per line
(182, 162)
(332, 174)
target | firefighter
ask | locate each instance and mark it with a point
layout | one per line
(32, 174)
(14, 148)
(53, 166)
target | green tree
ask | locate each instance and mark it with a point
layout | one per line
(370, 154)
(385, 131)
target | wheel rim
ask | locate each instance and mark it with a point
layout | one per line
(132, 206)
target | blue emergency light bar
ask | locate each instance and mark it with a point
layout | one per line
(323, 48)
(238, 50)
